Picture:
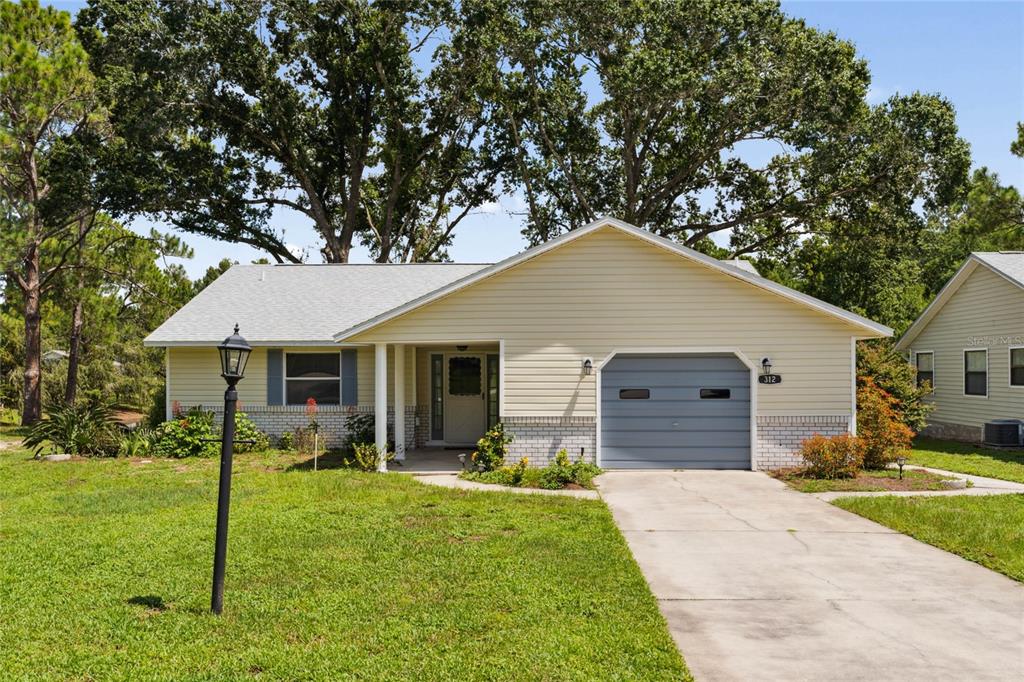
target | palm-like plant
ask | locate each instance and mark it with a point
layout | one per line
(85, 428)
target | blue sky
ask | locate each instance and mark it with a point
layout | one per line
(970, 52)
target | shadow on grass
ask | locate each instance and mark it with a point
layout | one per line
(149, 601)
(329, 460)
(950, 447)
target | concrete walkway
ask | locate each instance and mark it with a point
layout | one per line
(760, 582)
(980, 485)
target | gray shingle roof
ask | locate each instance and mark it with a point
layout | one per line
(1009, 263)
(299, 304)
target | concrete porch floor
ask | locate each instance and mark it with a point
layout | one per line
(431, 461)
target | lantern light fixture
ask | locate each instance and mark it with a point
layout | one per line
(766, 366)
(234, 354)
(588, 366)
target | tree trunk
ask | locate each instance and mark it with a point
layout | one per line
(75, 338)
(32, 410)
(74, 351)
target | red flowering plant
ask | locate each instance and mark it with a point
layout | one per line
(311, 412)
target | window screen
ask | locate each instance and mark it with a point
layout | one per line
(715, 393)
(634, 394)
(312, 375)
(925, 368)
(1017, 366)
(976, 372)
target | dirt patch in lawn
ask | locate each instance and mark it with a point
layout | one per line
(865, 481)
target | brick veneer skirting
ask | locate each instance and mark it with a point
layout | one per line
(333, 419)
(779, 438)
(961, 432)
(540, 438)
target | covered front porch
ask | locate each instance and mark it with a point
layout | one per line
(455, 392)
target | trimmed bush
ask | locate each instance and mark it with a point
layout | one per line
(832, 457)
(880, 427)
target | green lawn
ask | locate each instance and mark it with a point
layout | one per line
(966, 458)
(986, 529)
(332, 575)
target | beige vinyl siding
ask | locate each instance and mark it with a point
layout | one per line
(609, 290)
(987, 311)
(196, 380)
(195, 377)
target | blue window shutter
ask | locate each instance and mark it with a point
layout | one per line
(275, 377)
(349, 376)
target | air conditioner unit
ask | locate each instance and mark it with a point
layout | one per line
(1004, 433)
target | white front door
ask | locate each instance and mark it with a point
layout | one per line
(465, 408)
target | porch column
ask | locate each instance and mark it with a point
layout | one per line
(380, 400)
(399, 401)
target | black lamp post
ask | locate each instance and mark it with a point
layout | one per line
(234, 353)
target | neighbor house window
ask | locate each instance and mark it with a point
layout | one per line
(312, 375)
(976, 372)
(925, 368)
(1017, 366)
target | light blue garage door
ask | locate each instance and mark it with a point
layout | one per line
(675, 411)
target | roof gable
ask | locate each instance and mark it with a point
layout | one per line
(869, 327)
(1008, 265)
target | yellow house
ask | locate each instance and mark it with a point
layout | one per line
(619, 346)
(969, 344)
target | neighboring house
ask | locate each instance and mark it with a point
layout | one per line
(622, 347)
(969, 343)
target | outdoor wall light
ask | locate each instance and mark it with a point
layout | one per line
(766, 366)
(588, 366)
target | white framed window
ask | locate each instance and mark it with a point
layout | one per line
(1017, 366)
(976, 372)
(924, 361)
(312, 375)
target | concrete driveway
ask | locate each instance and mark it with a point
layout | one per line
(760, 582)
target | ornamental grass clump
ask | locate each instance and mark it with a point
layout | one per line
(832, 457)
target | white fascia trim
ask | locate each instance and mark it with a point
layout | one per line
(678, 249)
(326, 343)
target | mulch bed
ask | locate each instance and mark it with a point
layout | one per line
(865, 481)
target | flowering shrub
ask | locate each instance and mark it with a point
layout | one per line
(832, 457)
(885, 436)
(492, 448)
(562, 473)
(188, 436)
